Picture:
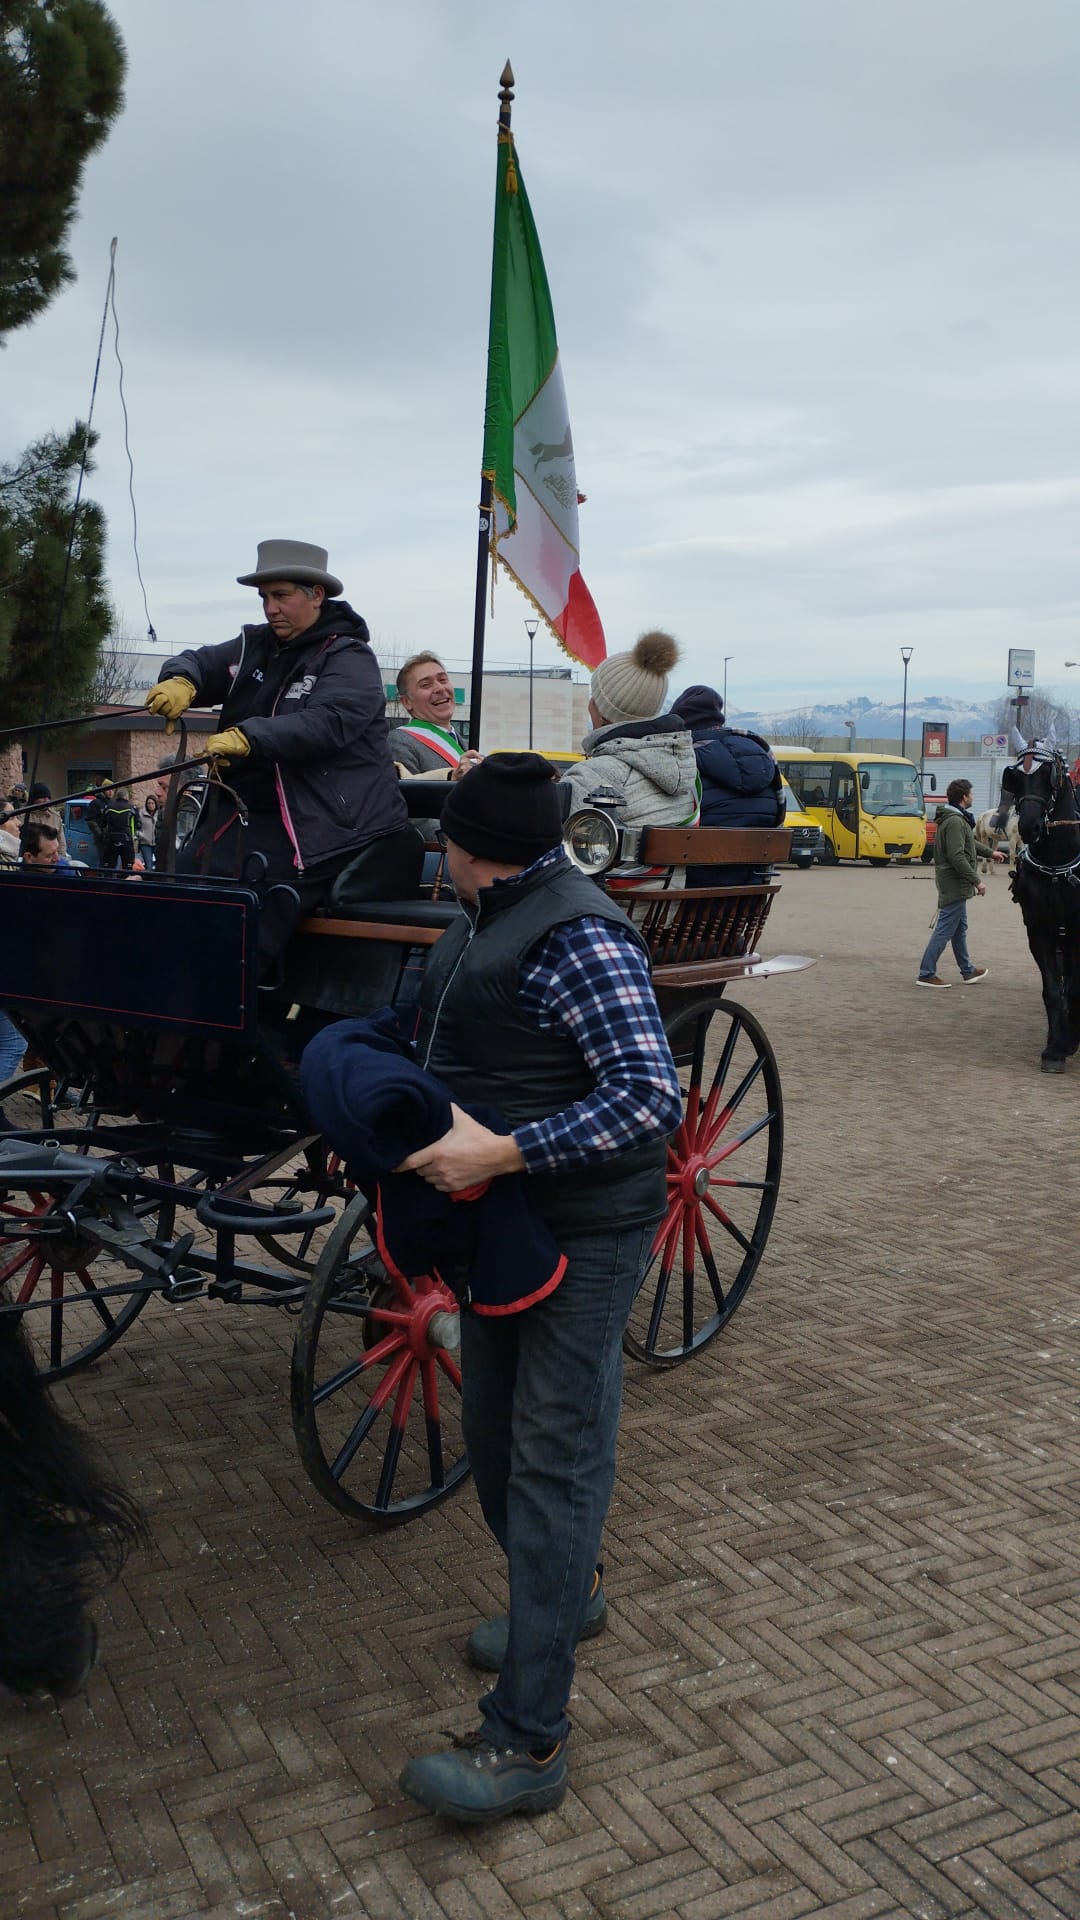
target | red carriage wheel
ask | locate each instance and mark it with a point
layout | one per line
(722, 1179)
(67, 1270)
(376, 1382)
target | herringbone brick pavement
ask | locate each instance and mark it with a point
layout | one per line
(841, 1676)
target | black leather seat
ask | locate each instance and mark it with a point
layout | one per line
(407, 913)
(386, 869)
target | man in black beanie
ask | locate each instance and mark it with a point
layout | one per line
(540, 1003)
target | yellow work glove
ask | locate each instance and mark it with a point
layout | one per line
(230, 745)
(170, 698)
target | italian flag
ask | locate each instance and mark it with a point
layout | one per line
(528, 447)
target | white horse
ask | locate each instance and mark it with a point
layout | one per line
(988, 833)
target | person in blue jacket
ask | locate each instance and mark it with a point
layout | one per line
(740, 780)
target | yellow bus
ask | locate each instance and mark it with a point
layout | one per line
(869, 806)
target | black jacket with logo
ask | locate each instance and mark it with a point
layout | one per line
(314, 714)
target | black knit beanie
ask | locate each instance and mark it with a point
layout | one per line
(506, 809)
(699, 707)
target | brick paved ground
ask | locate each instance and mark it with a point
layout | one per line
(841, 1676)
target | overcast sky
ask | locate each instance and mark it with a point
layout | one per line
(816, 282)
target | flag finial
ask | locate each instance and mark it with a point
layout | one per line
(506, 138)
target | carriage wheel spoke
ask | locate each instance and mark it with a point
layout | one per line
(432, 1424)
(87, 1284)
(740, 1140)
(697, 1068)
(727, 1222)
(29, 1252)
(371, 1413)
(399, 1420)
(709, 1261)
(688, 1275)
(669, 1224)
(56, 1320)
(719, 1079)
(450, 1367)
(663, 1282)
(712, 1125)
(383, 1349)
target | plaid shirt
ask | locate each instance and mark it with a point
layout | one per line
(589, 980)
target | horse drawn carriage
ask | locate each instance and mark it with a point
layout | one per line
(170, 1153)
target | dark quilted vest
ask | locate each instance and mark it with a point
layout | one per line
(474, 1035)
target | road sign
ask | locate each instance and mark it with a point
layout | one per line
(935, 739)
(994, 744)
(1021, 666)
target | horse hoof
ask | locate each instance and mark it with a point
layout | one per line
(1053, 1066)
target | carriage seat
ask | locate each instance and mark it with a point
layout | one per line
(398, 913)
(386, 869)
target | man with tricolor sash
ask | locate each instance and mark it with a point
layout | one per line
(428, 742)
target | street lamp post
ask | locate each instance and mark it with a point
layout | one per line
(727, 657)
(905, 655)
(850, 725)
(530, 628)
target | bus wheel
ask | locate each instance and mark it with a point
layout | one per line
(827, 854)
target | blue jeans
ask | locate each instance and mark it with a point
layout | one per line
(950, 925)
(541, 1397)
(12, 1048)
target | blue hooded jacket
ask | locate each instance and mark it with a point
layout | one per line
(740, 781)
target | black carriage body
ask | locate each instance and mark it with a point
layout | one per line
(142, 1000)
(170, 955)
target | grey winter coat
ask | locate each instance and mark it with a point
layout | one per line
(650, 763)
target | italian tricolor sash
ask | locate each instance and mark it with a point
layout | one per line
(437, 738)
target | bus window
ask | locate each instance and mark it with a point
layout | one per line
(890, 789)
(810, 780)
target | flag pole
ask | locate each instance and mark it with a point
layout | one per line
(483, 543)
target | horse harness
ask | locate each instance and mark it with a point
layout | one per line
(1052, 758)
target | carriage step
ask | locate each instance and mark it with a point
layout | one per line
(185, 1284)
(243, 1216)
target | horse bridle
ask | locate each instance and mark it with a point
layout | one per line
(1045, 756)
(1059, 773)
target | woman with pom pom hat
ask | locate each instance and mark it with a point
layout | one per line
(644, 754)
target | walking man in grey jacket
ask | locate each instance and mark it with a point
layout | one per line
(957, 877)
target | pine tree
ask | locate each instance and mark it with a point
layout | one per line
(45, 674)
(61, 86)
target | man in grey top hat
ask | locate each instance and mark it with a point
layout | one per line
(302, 735)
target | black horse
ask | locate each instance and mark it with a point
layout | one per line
(65, 1526)
(1046, 888)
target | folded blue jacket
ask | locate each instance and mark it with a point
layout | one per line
(375, 1105)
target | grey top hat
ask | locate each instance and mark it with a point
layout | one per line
(290, 560)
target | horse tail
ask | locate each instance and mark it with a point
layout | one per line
(66, 1525)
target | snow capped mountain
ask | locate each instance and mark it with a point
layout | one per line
(876, 720)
